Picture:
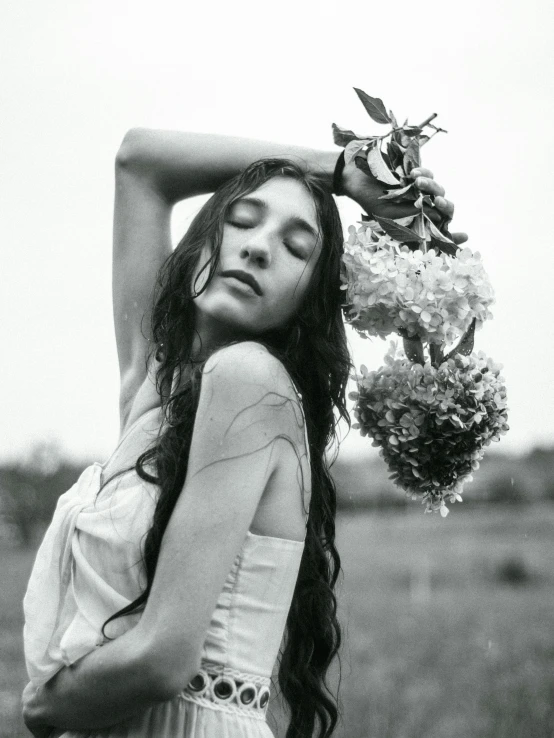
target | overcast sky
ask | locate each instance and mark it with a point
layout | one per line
(76, 75)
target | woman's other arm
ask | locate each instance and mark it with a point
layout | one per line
(105, 687)
(248, 418)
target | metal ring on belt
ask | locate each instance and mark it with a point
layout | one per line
(227, 689)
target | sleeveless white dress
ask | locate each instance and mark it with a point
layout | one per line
(89, 566)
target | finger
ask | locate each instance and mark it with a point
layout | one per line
(445, 207)
(459, 238)
(421, 172)
(429, 186)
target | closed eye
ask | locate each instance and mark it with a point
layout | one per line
(294, 252)
(239, 225)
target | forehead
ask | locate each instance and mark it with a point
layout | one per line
(288, 198)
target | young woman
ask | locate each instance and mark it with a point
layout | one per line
(164, 585)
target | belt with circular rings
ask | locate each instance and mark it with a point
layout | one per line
(225, 688)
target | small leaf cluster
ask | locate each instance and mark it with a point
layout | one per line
(391, 289)
(391, 162)
(432, 424)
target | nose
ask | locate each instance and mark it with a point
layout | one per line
(257, 251)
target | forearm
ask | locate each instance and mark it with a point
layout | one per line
(105, 687)
(182, 165)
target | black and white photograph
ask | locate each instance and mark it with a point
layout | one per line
(277, 427)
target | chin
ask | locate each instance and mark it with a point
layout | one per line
(228, 312)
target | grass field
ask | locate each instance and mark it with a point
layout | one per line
(448, 625)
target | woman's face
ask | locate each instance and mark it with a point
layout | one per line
(271, 240)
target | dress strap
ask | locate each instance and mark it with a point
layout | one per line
(307, 442)
(301, 403)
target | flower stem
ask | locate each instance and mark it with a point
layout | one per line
(422, 143)
(427, 120)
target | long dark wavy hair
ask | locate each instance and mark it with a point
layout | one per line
(313, 349)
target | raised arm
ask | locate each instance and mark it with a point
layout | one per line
(154, 170)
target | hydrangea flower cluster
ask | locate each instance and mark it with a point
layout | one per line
(432, 409)
(432, 423)
(392, 289)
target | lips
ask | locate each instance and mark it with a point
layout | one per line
(244, 277)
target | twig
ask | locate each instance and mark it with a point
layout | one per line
(428, 120)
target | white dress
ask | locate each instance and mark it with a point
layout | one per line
(89, 566)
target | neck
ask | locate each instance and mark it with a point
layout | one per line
(209, 335)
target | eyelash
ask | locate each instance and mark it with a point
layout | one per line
(297, 254)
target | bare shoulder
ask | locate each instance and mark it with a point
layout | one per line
(249, 365)
(244, 386)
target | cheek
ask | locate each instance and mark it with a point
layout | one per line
(200, 275)
(296, 291)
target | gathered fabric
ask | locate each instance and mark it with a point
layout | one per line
(89, 566)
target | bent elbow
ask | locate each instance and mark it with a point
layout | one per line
(132, 148)
(169, 674)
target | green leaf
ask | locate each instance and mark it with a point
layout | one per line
(397, 138)
(407, 133)
(413, 348)
(435, 231)
(361, 163)
(393, 120)
(378, 167)
(412, 131)
(423, 200)
(386, 158)
(419, 226)
(342, 136)
(408, 220)
(396, 154)
(396, 231)
(435, 353)
(442, 247)
(393, 194)
(374, 107)
(465, 347)
(411, 157)
(353, 148)
(446, 232)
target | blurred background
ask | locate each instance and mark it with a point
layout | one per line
(448, 623)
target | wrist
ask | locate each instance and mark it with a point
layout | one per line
(361, 187)
(320, 163)
(337, 185)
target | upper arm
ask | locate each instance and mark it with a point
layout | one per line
(247, 403)
(141, 244)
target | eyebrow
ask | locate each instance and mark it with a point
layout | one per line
(294, 219)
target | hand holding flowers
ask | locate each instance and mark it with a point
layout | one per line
(366, 191)
(434, 406)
